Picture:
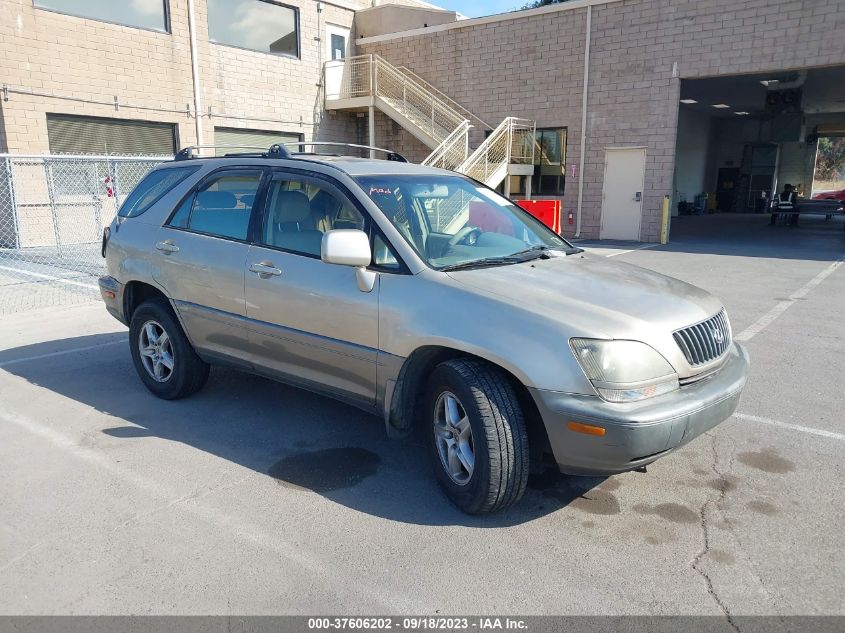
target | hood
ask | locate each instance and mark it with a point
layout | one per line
(596, 297)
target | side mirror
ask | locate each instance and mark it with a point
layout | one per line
(346, 247)
(350, 247)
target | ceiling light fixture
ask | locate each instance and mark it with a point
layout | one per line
(743, 113)
(721, 106)
(688, 101)
(769, 82)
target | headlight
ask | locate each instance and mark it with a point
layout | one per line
(624, 371)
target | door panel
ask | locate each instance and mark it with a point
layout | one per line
(201, 256)
(308, 320)
(622, 206)
(312, 322)
(205, 278)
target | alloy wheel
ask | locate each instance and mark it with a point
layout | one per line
(156, 351)
(453, 437)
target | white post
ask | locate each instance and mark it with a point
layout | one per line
(371, 111)
(195, 71)
(586, 87)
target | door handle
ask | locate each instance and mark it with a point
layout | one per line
(265, 269)
(167, 246)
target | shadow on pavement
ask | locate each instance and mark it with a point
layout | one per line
(750, 235)
(304, 441)
(744, 235)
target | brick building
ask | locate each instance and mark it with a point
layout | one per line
(644, 56)
(683, 96)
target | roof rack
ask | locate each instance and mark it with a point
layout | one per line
(274, 151)
(279, 150)
(391, 155)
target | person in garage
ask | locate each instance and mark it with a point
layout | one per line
(786, 201)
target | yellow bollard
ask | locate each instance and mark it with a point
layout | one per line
(664, 226)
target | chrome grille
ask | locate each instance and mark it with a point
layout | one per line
(705, 341)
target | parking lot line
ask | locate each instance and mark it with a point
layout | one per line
(61, 353)
(792, 427)
(764, 321)
(631, 250)
(50, 277)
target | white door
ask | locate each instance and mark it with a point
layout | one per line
(337, 42)
(622, 196)
(337, 49)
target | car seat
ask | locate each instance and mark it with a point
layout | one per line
(291, 225)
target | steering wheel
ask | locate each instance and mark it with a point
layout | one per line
(463, 234)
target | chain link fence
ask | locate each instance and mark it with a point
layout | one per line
(52, 213)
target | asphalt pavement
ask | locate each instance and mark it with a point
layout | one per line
(257, 498)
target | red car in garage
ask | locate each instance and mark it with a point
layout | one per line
(839, 194)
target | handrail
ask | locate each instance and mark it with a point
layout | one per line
(457, 106)
(443, 122)
(453, 150)
(372, 76)
(497, 149)
(413, 95)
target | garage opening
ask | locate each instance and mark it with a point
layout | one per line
(741, 138)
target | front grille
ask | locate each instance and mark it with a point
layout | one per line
(705, 341)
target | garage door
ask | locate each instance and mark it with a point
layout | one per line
(234, 139)
(94, 135)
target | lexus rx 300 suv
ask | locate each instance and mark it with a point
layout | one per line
(426, 298)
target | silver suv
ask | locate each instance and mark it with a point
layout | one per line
(423, 297)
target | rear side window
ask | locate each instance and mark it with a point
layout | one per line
(153, 186)
(221, 206)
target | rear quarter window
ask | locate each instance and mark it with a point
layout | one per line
(153, 186)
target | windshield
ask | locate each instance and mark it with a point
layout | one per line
(453, 222)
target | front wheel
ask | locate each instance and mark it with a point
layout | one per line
(164, 358)
(479, 443)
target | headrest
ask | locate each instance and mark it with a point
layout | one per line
(290, 207)
(216, 200)
(325, 203)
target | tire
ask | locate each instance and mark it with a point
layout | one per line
(186, 374)
(498, 439)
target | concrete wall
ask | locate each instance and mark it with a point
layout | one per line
(391, 18)
(82, 61)
(530, 64)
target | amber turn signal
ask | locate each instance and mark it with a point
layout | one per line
(585, 428)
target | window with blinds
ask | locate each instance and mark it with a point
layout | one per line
(237, 140)
(69, 134)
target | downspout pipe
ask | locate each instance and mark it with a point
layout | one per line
(585, 90)
(195, 71)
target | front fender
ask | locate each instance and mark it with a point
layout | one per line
(430, 309)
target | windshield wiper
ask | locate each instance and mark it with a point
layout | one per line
(541, 250)
(483, 262)
(527, 255)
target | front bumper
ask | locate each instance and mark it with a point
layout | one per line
(111, 290)
(638, 433)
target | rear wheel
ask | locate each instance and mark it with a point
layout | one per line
(479, 444)
(164, 358)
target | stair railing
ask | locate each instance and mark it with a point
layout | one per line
(444, 97)
(511, 142)
(453, 151)
(414, 101)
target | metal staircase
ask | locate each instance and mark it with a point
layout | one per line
(368, 81)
